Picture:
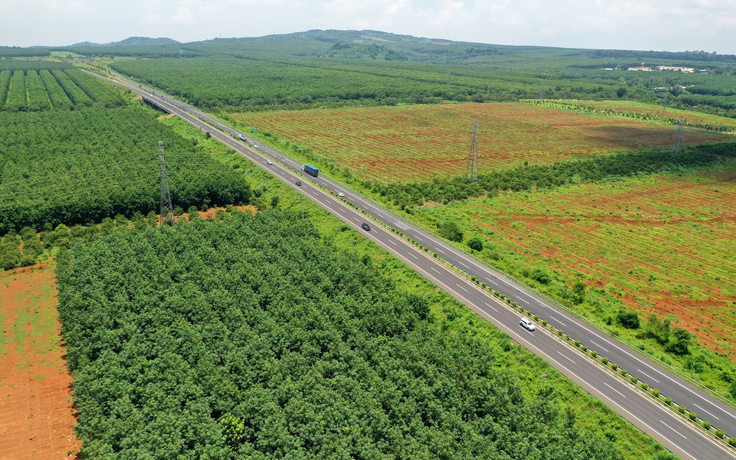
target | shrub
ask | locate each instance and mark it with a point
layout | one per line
(732, 442)
(679, 342)
(475, 244)
(594, 353)
(706, 425)
(614, 366)
(655, 392)
(634, 380)
(450, 231)
(644, 386)
(681, 409)
(719, 434)
(629, 320)
(668, 401)
(539, 276)
(604, 360)
(692, 416)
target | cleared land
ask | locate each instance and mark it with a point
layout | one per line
(649, 112)
(661, 243)
(416, 143)
(36, 419)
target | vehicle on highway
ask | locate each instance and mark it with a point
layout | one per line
(255, 146)
(299, 183)
(526, 323)
(340, 194)
(269, 162)
(311, 170)
(241, 137)
(366, 227)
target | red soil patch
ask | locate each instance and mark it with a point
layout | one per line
(36, 415)
(416, 143)
(661, 244)
(212, 212)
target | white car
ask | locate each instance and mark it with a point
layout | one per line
(270, 162)
(526, 323)
(340, 194)
(255, 146)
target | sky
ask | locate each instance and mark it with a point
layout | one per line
(662, 25)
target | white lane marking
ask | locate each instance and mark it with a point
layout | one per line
(706, 411)
(599, 346)
(484, 269)
(613, 389)
(563, 355)
(401, 225)
(683, 436)
(460, 286)
(491, 307)
(552, 317)
(440, 250)
(643, 363)
(647, 375)
(392, 242)
(413, 255)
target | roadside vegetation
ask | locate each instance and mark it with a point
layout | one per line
(225, 362)
(421, 143)
(91, 152)
(430, 324)
(582, 267)
(186, 333)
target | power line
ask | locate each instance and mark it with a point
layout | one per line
(677, 147)
(167, 211)
(472, 172)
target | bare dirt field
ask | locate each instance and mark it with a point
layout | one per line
(36, 415)
(417, 143)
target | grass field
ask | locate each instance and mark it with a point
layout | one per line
(534, 375)
(417, 143)
(659, 243)
(650, 112)
(36, 418)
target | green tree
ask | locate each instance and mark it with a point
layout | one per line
(628, 319)
(475, 243)
(657, 329)
(450, 231)
(679, 342)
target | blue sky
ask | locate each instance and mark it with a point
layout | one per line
(674, 25)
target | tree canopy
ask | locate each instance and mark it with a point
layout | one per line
(252, 337)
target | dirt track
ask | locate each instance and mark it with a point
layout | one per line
(36, 416)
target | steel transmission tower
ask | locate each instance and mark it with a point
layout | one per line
(665, 103)
(167, 211)
(678, 139)
(472, 173)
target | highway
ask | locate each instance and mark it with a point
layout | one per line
(678, 435)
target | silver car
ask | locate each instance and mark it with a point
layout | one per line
(526, 323)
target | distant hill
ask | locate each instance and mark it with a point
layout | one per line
(363, 44)
(132, 41)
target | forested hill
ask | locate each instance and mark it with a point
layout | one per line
(253, 338)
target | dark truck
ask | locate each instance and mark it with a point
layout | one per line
(311, 170)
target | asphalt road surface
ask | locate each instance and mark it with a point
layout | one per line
(678, 435)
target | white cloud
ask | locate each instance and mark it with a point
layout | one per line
(641, 24)
(183, 15)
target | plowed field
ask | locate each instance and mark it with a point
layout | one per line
(36, 420)
(416, 143)
(663, 244)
